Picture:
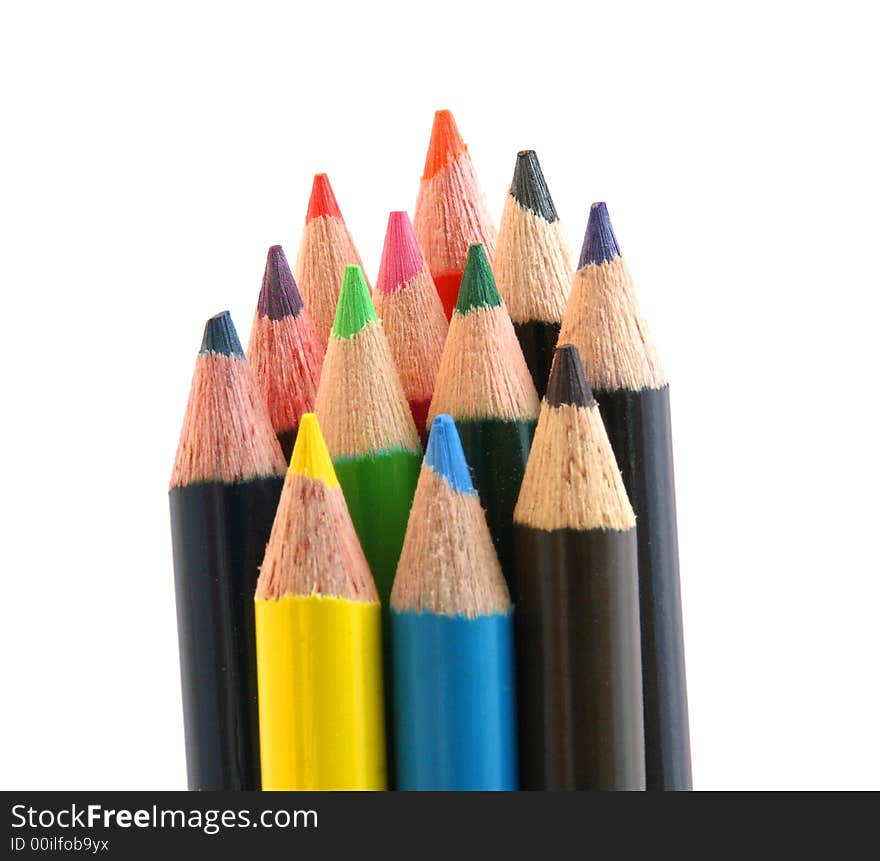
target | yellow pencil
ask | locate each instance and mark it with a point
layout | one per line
(319, 657)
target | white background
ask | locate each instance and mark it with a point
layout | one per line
(152, 152)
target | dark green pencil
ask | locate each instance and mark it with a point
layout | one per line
(485, 385)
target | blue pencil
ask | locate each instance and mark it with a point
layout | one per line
(452, 636)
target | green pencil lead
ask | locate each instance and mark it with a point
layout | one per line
(355, 307)
(478, 288)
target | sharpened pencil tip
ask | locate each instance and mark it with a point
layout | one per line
(355, 307)
(279, 296)
(322, 201)
(311, 458)
(529, 188)
(478, 289)
(445, 455)
(568, 382)
(445, 146)
(401, 255)
(600, 243)
(220, 337)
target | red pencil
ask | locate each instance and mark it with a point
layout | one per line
(325, 249)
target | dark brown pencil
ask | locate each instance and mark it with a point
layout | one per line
(577, 613)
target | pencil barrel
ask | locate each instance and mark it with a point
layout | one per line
(219, 532)
(419, 410)
(496, 451)
(322, 723)
(639, 428)
(455, 721)
(538, 342)
(578, 660)
(379, 490)
(287, 440)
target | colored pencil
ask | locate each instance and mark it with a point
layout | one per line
(325, 249)
(485, 385)
(412, 316)
(452, 635)
(369, 429)
(319, 652)
(224, 489)
(578, 660)
(532, 266)
(284, 351)
(604, 321)
(451, 213)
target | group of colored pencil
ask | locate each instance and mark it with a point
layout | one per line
(501, 613)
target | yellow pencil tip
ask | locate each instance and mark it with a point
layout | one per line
(310, 457)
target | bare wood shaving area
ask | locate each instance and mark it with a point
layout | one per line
(325, 249)
(571, 479)
(605, 323)
(451, 215)
(414, 309)
(483, 373)
(286, 361)
(313, 549)
(532, 265)
(448, 565)
(227, 435)
(361, 405)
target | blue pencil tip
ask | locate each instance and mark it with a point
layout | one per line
(600, 243)
(445, 456)
(220, 337)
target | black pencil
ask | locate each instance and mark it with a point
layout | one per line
(225, 486)
(532, 266)
(577, 614)
(604, 321)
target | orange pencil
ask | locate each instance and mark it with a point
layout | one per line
(451, 213)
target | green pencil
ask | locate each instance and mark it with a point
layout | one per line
(485, 385)
(369, 429)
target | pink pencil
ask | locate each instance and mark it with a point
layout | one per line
(412, 316)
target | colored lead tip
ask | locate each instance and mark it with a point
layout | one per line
(310, 458)
(220, 337)
(355, 307)
(279, 296)
(322, 200)
(529, 188)
(600, 244)
(401, 255)
(478, 288)
(568, 382)
(446, 144)
(445, 456)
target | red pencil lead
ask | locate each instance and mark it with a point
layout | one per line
(322, 201)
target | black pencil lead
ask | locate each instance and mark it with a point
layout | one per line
(568, 382)
(529, 188)
(220, 337)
